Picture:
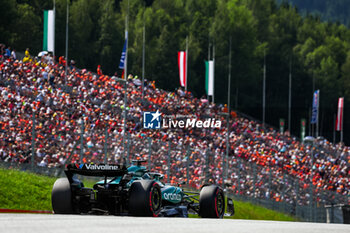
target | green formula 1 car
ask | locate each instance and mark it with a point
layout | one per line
(133, 191)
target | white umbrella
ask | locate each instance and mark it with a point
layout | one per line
(42, 53)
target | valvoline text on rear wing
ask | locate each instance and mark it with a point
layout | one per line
(95, 169)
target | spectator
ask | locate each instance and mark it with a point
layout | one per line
(85, 104)
(99, 70)
(8, 52)
(27, 57)
(13, 54)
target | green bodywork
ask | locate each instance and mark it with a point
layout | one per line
(170, 193)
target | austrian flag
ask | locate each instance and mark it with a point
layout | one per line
(181, 57)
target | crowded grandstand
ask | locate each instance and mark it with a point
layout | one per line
(79, 116)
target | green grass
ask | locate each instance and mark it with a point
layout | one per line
(27, 191)
(246, 210)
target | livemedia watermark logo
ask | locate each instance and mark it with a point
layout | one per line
(152, 120)
(155, 120)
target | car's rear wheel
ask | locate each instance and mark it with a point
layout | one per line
(145, 198)
(61, 197)
(211, 202)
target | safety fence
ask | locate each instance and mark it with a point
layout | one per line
(267, 186)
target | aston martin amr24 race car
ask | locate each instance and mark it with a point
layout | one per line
(133, 191)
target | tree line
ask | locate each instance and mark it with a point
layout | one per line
(317, 52)
(331, 10)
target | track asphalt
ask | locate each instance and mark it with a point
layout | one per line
(45, 223)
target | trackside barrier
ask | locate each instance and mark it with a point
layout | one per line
(338, 214)
(102, 141)
(294, 200)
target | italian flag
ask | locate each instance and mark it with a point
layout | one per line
(209, 77)
(49, 31)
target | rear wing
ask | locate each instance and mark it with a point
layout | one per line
(106, 170)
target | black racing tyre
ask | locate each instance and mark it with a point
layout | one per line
(211, 202)
(61, 197)
(145, 198)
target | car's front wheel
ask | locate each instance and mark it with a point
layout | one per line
(145, 198)
(211, 202)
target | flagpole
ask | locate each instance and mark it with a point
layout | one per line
(264, 89)
(334, 128)
(54, 27)
(67, 21)
(228, 112)
(126, 80)
(209, 48)
(213, 72)
(208, 60)
(186, 62)
(290, 97)
(229, 79)
(143, 52)
(143, 60)
(310, 119)
(127, 44)
(341, 134)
